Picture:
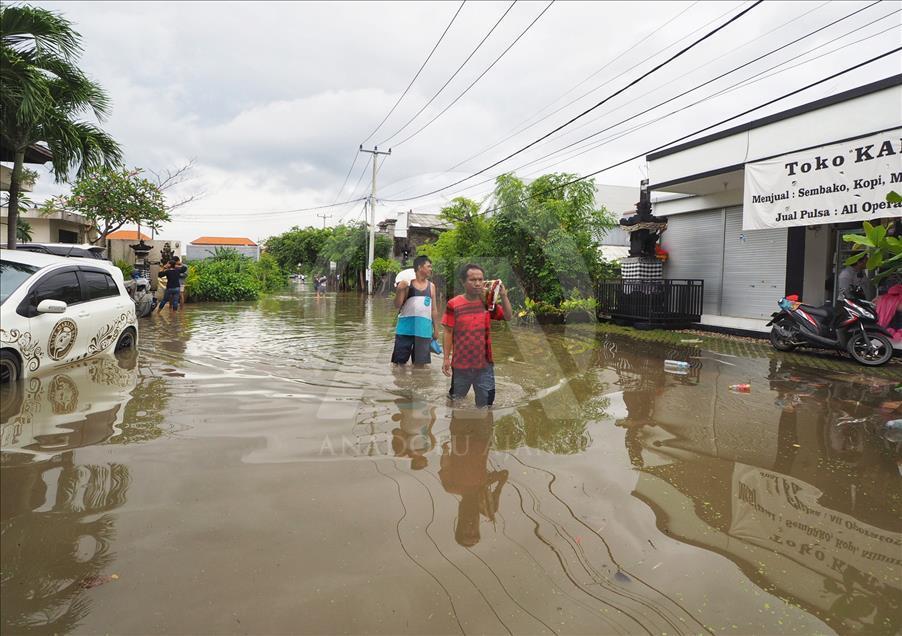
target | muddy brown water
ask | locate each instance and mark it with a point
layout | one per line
(259, 468)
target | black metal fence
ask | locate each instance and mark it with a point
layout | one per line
(666, 302)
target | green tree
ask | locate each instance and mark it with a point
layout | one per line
(550, 232)
(471, 239)
(347, 247)
(883, 253)
(298, 247)
(23, 230)
(44, 96)
(113, 197)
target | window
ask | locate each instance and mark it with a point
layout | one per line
(63, 286)
(99, 285)
(12, 275)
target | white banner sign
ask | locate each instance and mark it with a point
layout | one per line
(841, 182)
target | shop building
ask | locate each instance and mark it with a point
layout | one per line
(759, 210)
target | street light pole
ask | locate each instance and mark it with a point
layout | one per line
(372, 247)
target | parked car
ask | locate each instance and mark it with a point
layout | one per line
(72, 250)
(56, 310)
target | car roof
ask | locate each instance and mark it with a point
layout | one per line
(37, 259)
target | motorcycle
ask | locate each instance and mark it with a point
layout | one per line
(139, 290)
(850, 325)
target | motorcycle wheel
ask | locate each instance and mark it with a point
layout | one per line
(779, 342)
(873, 349)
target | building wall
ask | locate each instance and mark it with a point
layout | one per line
(44, 230)
(202, 252)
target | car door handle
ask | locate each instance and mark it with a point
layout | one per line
(82, 314)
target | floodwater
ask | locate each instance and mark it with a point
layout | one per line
(260, 469)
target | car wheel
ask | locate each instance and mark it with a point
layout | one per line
(10, 369)
(126, 340)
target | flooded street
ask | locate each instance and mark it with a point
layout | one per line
(259, 468)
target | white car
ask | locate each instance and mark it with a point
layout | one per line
(55, 311)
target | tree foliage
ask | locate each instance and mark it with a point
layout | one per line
(312, 249)
(883, 252)
(550, 231)
(113, 197)
(298, 249)
(44, 98)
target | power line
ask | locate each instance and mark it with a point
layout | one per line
(519, 128)
(741, 84)
(259, 212)
(761, 75)
(587, 111)
(345, 182)
(431, 99)
(722, 75)
(428, 57)
(473, 83)
(701, 130)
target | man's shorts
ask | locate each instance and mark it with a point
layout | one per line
(482, 380)
(407, 346)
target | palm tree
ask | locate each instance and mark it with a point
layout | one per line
(44, 95)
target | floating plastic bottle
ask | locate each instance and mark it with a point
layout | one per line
(678, 364)
(741, 388)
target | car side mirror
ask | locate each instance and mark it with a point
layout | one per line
(50, 306)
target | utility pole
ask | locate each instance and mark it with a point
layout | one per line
(372, 251)
(324, 216)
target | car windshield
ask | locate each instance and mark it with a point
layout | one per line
(11, 276)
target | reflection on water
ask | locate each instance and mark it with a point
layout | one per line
(55, 540)
(602, 494)
(796, 485)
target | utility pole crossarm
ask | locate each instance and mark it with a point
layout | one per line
(372, 242)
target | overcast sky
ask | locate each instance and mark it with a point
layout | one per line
(272, 99)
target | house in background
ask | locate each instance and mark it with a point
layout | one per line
(118, 246)
(410, 230)
(205, 246)
(58, 227)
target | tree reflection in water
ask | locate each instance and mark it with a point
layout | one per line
(50, 549)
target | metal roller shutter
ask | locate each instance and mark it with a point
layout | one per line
(754, 276)
(695, 243)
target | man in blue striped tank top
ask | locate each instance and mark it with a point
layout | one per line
(417, 316)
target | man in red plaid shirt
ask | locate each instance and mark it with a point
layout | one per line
(468, 338)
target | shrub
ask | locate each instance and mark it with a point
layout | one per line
(126, 268)
(383, 266)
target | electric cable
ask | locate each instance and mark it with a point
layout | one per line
(761, 75)
(459, 68)
(519, 128)
(750, 62)
(599, 104)
(739, 84)
(479, 77)
(701, 130)
(428, 57)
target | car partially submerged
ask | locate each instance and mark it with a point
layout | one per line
(56, 310)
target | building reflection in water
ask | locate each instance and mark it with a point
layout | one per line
(56, 526)
(796, 485)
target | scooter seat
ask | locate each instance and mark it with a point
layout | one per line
(824, 311)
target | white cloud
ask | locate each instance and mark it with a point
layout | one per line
(273, 98)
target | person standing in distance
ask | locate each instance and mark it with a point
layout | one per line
(417, 318)
(468, 338)
(172, 273)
